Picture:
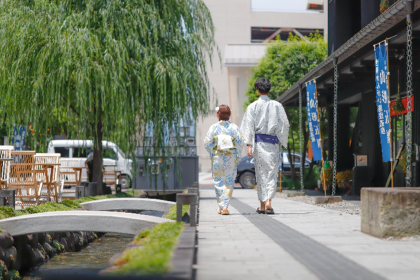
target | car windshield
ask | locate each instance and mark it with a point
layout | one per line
(120, 151)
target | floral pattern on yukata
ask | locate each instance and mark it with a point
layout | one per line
(224, 163)
(265, 116)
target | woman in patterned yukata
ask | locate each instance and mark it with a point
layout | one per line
(264, 127)
(224, 143)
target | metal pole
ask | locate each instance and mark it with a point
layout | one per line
(410, 7)
(281, 165)
(390, 119)
(334, 179)
(302, 163)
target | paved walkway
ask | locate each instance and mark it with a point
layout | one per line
(301, 241)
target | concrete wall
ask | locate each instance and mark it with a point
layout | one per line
(233, 20)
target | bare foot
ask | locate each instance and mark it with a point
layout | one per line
(262, 206)
(268, 204)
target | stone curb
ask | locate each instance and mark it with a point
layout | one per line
(183, 256)
(293, 194)
(327, 199)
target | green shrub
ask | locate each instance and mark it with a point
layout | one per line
(14, 275)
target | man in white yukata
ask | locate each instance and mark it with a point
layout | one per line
(264, 127)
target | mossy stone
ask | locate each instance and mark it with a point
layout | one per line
(6, 240)
(49, 250)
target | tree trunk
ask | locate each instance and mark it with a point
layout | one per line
(97, 150)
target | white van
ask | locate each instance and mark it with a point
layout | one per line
(79, 149)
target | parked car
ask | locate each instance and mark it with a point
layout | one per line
(246, 169)
(80, 149)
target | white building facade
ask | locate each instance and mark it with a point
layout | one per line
(243, 27)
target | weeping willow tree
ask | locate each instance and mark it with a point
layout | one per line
(112, 65)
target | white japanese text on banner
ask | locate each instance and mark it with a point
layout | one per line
(382, 100)
(313, 120)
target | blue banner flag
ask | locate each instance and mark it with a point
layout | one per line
(19, 136)
(313, 120)
(382, 100)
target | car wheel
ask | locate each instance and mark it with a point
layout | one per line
(247, 180)
(125, 182)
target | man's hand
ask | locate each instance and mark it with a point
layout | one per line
(250, 151)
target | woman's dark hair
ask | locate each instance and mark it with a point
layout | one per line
(224, 113)
(263, 85)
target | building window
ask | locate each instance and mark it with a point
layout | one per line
(261, 34)
(287, 6)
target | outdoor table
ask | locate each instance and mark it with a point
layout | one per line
(77, 172)
(45, 167)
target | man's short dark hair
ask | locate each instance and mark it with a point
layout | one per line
(263, 85)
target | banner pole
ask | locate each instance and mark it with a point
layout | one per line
(281, 165)
(320, 139)
(390, 118)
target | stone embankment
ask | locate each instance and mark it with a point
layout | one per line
(21, 253)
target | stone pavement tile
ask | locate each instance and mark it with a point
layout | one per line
(247, 253)
(341, 232)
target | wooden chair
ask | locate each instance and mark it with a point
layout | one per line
(23, 178)
(69, 176)
(43, 175)
(67, 173)
(109, 174)
(5, 152)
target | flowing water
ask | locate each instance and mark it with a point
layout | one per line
(92, 258)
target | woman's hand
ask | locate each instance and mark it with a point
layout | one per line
(250, 151)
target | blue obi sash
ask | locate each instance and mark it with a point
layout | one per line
(266, 138)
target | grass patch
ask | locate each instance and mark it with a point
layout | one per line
(171, 215)
(65, 205)
(155, 255)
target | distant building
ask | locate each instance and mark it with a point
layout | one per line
(242, 29)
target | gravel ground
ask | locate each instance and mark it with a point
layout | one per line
(349, 207)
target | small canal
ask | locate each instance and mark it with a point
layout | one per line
(91, 259)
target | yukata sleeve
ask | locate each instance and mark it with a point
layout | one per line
(248, 127)
(282, 132)
(239, 140)
(210, 142)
